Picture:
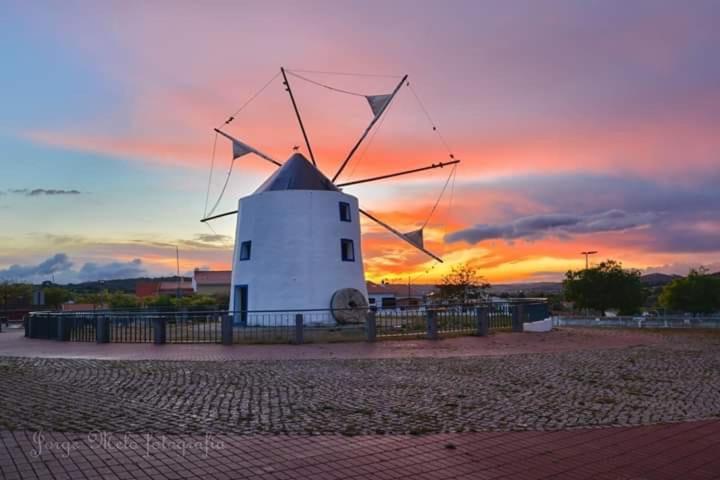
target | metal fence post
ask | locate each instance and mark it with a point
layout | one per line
(227, 329)
(518, 317)
(432, 326)
(298, 329)
(371, 326)
(159, 330)
(62, 328)
(483, 321)
(102, 330)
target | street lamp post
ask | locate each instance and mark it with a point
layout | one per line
(587, 255)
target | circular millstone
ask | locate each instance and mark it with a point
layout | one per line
(348, 306)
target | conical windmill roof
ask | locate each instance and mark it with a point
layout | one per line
(297, 174)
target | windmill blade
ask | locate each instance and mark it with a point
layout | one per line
(406, 172)
(413, 238)
(378, 106)
(242, 148)
(219, 215)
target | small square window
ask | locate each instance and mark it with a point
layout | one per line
(245, 250)
(345, 212)
(347, 249)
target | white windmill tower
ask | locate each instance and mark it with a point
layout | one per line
(298, 239)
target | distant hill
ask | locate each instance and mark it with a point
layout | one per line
(127, 285)
(528, 289)
(657, 279)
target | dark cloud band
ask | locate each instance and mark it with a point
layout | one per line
(561, 224)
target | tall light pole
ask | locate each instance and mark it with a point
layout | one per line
(587, 255)
(177, 264)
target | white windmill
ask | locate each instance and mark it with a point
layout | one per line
(297, 239)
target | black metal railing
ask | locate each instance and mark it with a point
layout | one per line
(286, 326)
(129, 327)
(193, 327)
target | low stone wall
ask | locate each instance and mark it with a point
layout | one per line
(539, 326)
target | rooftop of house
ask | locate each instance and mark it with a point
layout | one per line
(212, 277)
(399, 290)
(174, 285)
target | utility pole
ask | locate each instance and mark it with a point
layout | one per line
(587, 255)
(177, 263)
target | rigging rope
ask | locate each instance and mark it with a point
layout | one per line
(450, 202)
(222, 192)
(247, 102)
(319, 84)
(348, 74)
(442, 192)
(212, 167)
(432, 124)
(212, 161)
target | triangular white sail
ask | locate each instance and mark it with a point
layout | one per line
(240, 149)
(415, 237)
(378, 102)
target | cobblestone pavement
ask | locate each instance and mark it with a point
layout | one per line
(668, 382)
(685, 451)
(14, 344)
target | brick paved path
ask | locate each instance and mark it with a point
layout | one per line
(13, 344)
(376, 403)
(632, 386)
(669, 452)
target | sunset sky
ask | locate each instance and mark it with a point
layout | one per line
(580, 125)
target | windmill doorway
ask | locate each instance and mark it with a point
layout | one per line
(240, 308)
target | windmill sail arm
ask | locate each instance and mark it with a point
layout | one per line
(369, 127)
(250, 148)
(219, 215)
(397, 174)
(400, 235)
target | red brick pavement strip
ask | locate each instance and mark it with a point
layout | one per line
(674, 451)
(14, 344)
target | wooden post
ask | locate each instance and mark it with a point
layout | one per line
(63, 328)
(297, 114)
(432, 327)
(483, 321)
(518, 317)
(298, 329)
(102, 329)
(226, 328)
(159, 330)
(371, 326)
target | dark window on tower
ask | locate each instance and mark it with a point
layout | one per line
(347, 250)
(245, 250)
(345, 212)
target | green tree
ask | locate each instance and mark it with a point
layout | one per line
(13, 295)
(56, 296)
(96, 299)
(123, 301)
(696, 293)
(161, 301)
(604, 287)
(222, 300)
(462, 285)
(195, 302)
